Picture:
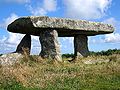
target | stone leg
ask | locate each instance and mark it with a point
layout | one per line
(24, 44)
(81, 46)
(50, 47)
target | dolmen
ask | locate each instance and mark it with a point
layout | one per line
(50, 28)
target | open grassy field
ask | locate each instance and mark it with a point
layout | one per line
(34, 73)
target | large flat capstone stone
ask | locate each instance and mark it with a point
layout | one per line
(65, 27)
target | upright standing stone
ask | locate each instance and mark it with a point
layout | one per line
(50, 47)
(81, 46)
(25, 43)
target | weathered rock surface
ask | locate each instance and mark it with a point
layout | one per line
(66, 27)
(50, 47)
(10, 59)
(81, 46)
(24, 44)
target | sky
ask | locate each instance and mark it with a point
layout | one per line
(105, 11)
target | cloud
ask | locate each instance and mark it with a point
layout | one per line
(17, 1)
(112, 38)
(66, 44)
(36, 11)
(50, 5)
(14, 38)
(86, 9)
(8, 20)
(10, 42)
(44, 8)
(108, 38)
(96, 39)
(35, 45)
(68, 39)
(111, 21)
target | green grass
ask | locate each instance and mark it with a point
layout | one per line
(38, 74)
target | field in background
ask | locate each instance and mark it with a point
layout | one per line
(34, 73)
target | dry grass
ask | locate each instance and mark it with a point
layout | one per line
(34, 71)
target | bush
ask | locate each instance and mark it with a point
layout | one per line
(67, 55)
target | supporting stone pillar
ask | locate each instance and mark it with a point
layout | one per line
(81, 46)
(50, 47)
(24, 44)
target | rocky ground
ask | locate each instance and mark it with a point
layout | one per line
(10, 59)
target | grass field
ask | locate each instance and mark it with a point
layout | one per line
(34, 73)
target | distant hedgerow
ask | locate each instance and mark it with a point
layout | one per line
(108, 52)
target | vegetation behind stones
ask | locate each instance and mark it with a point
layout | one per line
(92, 53)
(108, 52)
